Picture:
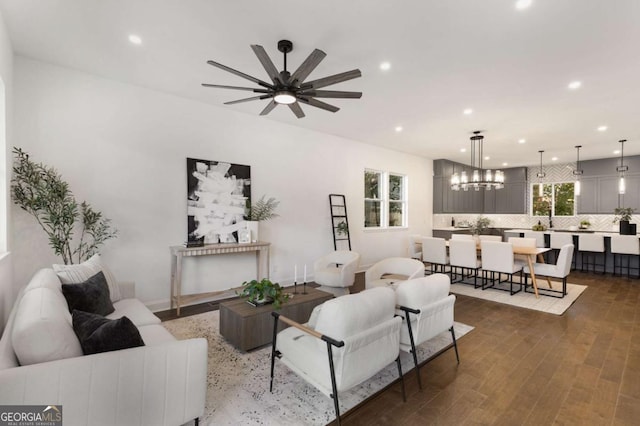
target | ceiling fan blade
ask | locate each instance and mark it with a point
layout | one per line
(307, 67)
(318, 104)
(331, 94)
(267, 63)
(241, 74)
(333, 79)
(297, 109)
(270, 106)
(219, 86)
(254, 98)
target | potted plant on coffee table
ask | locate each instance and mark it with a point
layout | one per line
(263, 292)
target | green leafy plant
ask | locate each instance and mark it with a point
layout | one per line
(584, 224)
(41, 191)
(539, 227)
(623, 213)
(264, 209)
(264, 290)
(342, 228)
(480, 225)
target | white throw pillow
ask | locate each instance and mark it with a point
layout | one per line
(76, 274)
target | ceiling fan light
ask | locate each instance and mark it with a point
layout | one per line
(284, 97)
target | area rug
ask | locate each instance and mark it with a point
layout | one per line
(238, 382)
(547, 304)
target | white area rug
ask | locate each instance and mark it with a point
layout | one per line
(547, 304)
(238, 382)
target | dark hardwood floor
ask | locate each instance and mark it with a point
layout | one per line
(523, 367)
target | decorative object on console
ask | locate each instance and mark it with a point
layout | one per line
(261, 210)
(219, 195)
(480, 177)
(40, 191)
(623, 215)
(290, 89)
(263, 292)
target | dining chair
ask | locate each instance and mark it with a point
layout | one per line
(434, 252)
(539, 237)
(489, 238)
(415, 249)
(497, 258)
(625, 246)
(557, 240)
(561, 270)
(463, 254)
(461, 237)
(427, 308)
(521, 259)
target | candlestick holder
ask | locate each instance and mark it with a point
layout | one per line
(304, 287)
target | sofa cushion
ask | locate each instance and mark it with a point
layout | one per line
(91, 296)
(99, 334)
(42, 328)
(134, 310)
(75, 274)
(155, 334)
(44, 278)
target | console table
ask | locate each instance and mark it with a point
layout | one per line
(179, 252)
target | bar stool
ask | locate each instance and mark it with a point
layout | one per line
(625, 246)
(591, 245)
(556, 241)
(538, 235)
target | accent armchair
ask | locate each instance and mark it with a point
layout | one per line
(392, 270)
(346, 341)
(336, 271)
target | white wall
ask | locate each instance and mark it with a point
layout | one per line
(123, 149)
(7, 288)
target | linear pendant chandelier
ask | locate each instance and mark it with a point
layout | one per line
(480, 178)
(622, 169)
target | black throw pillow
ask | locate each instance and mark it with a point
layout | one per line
(99, 334)
(89, 296)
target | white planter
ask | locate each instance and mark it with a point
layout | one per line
(252, 225)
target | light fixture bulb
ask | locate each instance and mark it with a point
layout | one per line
(622, 188)
(540, 190)
(576, 188)
(284, 97)
(135, 39)
(476, 176)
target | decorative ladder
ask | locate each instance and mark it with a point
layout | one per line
(339, 220)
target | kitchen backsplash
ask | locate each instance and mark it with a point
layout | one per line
(598, 222)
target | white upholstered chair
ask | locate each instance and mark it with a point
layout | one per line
(463, 254)
(434, 252)
(336, 271)
(539, 237)
(561, 270)
(346, 341)
(427, 308)
(392, 270)
(462, 237)
(497, 257)
(415, 248)
(489, 238)
(625, 246)
(557, 240)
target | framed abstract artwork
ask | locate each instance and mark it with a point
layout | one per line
(218, 201)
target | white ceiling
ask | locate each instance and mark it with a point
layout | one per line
(512, 67)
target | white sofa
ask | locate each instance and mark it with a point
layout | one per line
(161, 383)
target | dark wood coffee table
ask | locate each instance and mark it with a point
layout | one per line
(248, 327)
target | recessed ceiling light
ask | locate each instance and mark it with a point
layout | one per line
(602, 128)
(463, 149)
(467, 111)
(523, 4)
(522, 141)
(554, 158)
(398, 129)
(617, 151)
(575, 85)
(135, 39)
(487, 158)
(505, 164)
(385, 66)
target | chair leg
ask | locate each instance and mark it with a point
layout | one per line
(404, 395)
(413, 349)
(455, 343)
(273, 351)
(196, 421)
(334, 386)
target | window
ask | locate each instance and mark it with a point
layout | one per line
(385, 199)
(556, 197)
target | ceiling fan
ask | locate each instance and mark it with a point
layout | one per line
(291, 89)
